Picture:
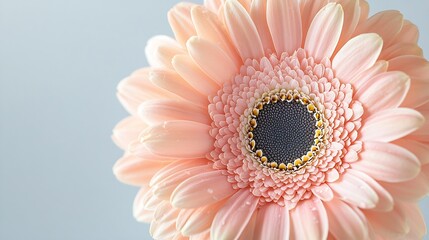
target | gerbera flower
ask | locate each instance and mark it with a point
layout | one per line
(279, 119)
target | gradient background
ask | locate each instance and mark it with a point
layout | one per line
(60, 62)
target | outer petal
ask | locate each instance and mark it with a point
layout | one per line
(387, 162)
(160, 50)
(391, 124)
(391, 224)
(355, 191)
(284, 22)
(325, 31)
(310, 220)
(346, 222)
(233, 218)
(243, 31)
(127, 131)
(387, 24)
(180, 139)
(401, 49)
(143, 207)
(159, 111)
(181, 23)
(199, 220)
(324, 192)
(387, 90)
(352, 13)
(420, 150)
(219, 66)
(409, 33)
(202, 189)
(309, 9)
(164, 224)
(357, 55)
(412, 190)
(258, 13)
(416, 221)
(360, 80)
(272, 222)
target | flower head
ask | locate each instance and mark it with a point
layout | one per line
(279, 119)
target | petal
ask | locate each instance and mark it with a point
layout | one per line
(284, 22)
(213, 5)
(310, 220)
(420, 150)
(192, 74)
(352, 14)
(159, 111)
(164, 224)
(386, 90)
(180, 139)
(142, 210)
(387, 162)
(160, 50)
(181, 23)
(273, 222)
(173, 83)
(409, 33)
(415, 220)
(417, 68)
(164, 188)
(219, 66)
(127, 131)
(258, 13)
(324, 192)
(243, 31)
(199, 220)
(389, 224)
(355, 191)
(387, 24)
(249, 231)
(211, 29)
(233, 218)
(309, 9)
(325, 31)
(135, 171)
(401, 49)
(385, 200)
(359, 80)
(357, 55)
(412, 190)
(202, 189)
(391, 124)
(345, 222)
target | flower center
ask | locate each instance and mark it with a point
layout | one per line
(285, 130)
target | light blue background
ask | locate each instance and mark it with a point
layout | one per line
(60, 62)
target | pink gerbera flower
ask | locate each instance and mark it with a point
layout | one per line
(279, 119)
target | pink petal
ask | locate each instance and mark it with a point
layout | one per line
(272, 222)
(160, 50)
(324, 192)
(325, 31)
(202, 189)
(409, 33)
(249, 231)
(391, 124)
(243, 31)
(159, 111)
(387, 24)
(284, 22)
(420, 150)
(179, 139)
(127, 131)
(164, 224)
(181, 23)
(417, 68)
(385, 200)
(412, 190)
(219, 66)
(164, 188)
(359, 80)
(173, 83)
(387, 162)
(389, 224)
(213, 5)
(309, 9)
(355, 191)
(258, 13)
(192, 74)
(199, 220)
(364, 12)
(135, 171)
(345, 222)
(310, 220)
(357, 55)
(386, 90)
(352, 14)
(416, 220)
(143, 207)
(233, 218)
(401, 49)
(210, 28)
